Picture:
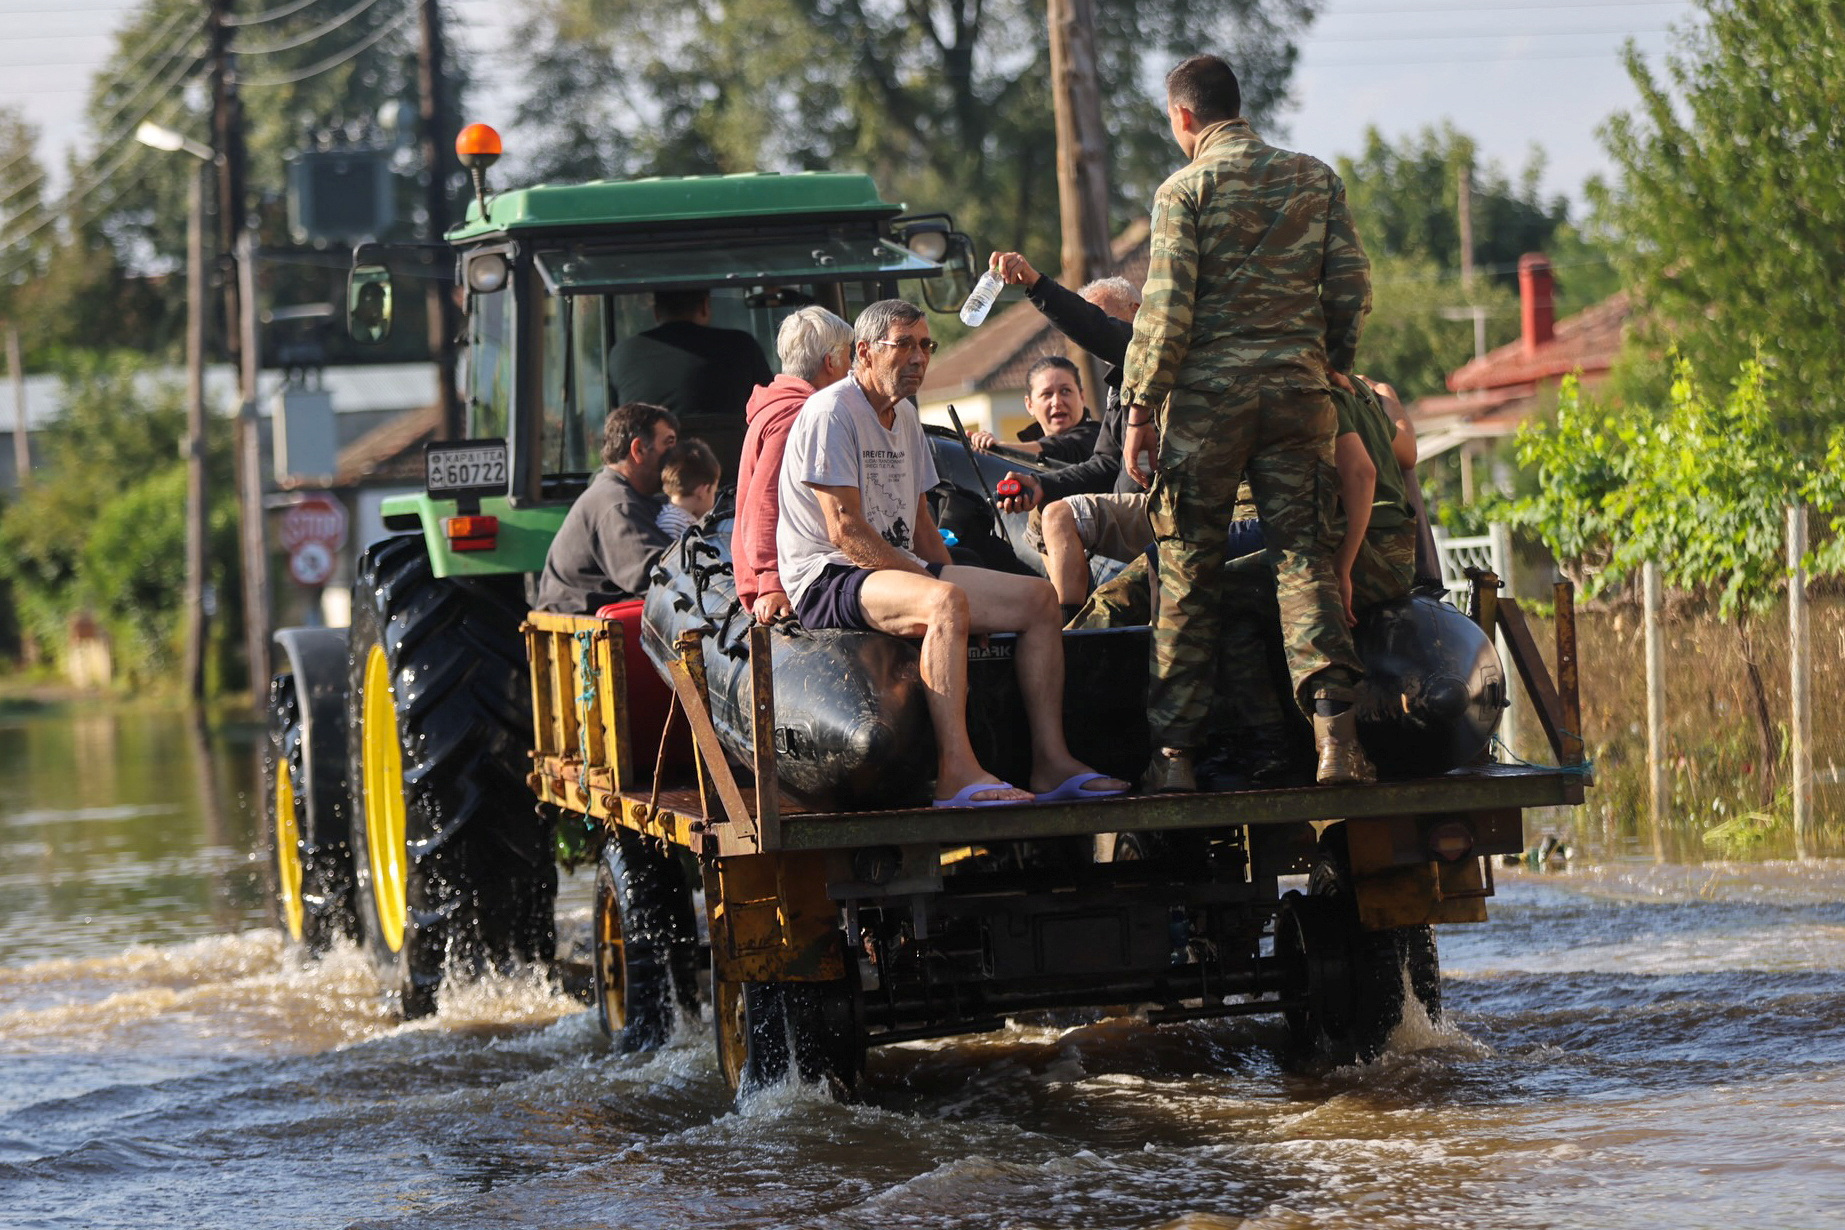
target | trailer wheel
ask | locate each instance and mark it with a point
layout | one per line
(312, 901)
(646, 967)
(1349, 984)
(452, 862)
(762, 1025)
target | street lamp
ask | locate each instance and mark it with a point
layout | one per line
(166, 139)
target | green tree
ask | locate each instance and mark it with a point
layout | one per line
(946, 103)
(314, 75)
(1700, 485)
(103, 527)
(1405, 198)
(1731, 197)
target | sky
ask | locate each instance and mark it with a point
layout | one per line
(1508, 72)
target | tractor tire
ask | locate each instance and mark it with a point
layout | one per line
(1349, 985)
(646, 964)
(765, 1027)
(312, 898)
(453, 865)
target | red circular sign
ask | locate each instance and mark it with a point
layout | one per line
(311, 563)
(314, 518)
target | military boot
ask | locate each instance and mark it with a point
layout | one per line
(1169, 773)
(1342, 760)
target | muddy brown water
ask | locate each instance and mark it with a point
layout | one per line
(1629, 1045)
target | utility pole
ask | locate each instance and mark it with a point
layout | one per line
(22, 439)
(1464, 210)
(1082, 156)
(227, 140)
(438, 136)
(250, 484)
(196, 515)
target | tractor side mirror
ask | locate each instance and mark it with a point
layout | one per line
(368, 304)
(948, 292)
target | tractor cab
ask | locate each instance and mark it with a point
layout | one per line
(554, 278)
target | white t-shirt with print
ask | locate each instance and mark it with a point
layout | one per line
(837, 441)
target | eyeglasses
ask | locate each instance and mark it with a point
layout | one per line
(906, 344)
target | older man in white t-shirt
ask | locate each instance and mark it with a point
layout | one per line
(857, 548)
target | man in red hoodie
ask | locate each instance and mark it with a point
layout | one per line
(815, 348)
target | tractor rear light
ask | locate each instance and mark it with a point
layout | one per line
(1450, 842)
(471, 533)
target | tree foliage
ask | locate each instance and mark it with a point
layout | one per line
(947, 103)
(102, 529)
(1699, 485)
(102, 268)
(1731, 197)
(1405, 197)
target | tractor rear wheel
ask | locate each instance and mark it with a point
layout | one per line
(453, 864)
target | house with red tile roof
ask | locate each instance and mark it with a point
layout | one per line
(983, 374)
(1491, 396)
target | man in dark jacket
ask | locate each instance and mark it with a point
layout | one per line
(686, 363)
(611, 539)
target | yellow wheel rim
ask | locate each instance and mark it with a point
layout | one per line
(733, 1030)
(288, 849)
(384, 800)
(611, 959)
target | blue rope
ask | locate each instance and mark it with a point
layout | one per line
(587, 675)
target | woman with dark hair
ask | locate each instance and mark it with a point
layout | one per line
(1061, 428)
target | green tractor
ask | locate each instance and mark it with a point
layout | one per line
(398, 798)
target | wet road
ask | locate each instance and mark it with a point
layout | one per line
(1629, 1045)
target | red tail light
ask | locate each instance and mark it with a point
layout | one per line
(471, 533)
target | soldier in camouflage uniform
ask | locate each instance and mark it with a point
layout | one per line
(1375, 454)
(1256, 291)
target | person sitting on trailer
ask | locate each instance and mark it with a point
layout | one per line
(611, 538)
(1091, 507)
(687, 364)
(858, 549)
(1061, 429)
(815, 348)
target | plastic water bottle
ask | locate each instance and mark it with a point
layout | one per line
(981, 299)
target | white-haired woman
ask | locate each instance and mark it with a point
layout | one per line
(815, 348)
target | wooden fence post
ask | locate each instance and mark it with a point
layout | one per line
(1799, 683)
(1659, 791)
(1500, 536)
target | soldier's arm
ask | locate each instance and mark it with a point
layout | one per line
(1163, 326)
(1345, 283)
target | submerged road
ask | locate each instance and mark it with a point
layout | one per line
(1629, 1045)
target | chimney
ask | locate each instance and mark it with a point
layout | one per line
(1537, 298)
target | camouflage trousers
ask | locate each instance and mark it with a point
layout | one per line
(1282, 440)
(1249, 700)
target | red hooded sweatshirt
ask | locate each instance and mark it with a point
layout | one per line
(771, 412)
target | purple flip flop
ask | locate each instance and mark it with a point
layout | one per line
(964, 798)
(1070, 790)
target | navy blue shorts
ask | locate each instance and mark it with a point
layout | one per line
(831, 599)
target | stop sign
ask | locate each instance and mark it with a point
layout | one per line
(317, 518)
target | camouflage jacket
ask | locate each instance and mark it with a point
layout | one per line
(1256, 274)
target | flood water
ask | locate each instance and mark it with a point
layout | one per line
(1629, 1045)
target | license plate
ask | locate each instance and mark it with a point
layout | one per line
(466, 467)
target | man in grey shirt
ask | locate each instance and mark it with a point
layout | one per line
(857, 548)
(611, 539)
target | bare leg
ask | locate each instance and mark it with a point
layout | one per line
(1002, 602)
(1065, 561)
(911, 604)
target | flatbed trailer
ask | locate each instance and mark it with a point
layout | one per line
(832, 931)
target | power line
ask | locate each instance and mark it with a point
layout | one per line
(303, 39)
(334, 61)
(1482, 59)
(257, 19)
(1452, 34)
